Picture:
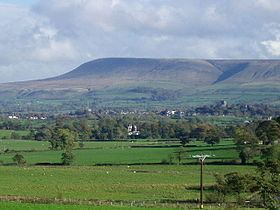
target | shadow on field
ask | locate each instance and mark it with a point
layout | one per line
(48, 164)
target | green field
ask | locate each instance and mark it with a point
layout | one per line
(137, 152)
(110, 183)
(118, 172)
(28, 206)
(6, 134)
(23, 145)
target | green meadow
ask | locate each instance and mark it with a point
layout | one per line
(117, 153)
(137, 173)
(147, 182)
(31, 206)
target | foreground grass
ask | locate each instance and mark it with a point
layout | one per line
(29, 206)
(128, 183)
(119, 184)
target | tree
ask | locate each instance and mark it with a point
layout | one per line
(262, 187)
(277, 120)
(198, 133)
(83, 129)
(212, 137)
(184, 140)
(67, 157)
(43, 133)
(269, 179)
(109, 129)
(246, 144)
(15, 135)
(182, 132)
(66, 141)
(62, 139)
(81, 144)
(268, 132)
(19, 159)
(212, 140)
(233, 184)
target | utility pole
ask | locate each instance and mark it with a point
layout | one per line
(201, 159)
(201, 183)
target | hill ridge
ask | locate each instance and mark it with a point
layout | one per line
(114, 71)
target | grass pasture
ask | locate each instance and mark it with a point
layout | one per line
(23, 145)
(6, 134)
(114, 172)
(123, 183)
(31, 206)
(117, 153)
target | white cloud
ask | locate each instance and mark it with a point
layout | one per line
(55, 51)
(30, 46)
(273, 47)
(273, 5)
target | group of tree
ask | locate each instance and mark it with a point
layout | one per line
(260, 188)
(252, 139)
(8, 124)
(252, 110)
(258, 143)
(115, 128)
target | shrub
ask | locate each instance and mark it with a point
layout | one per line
(81, 144)
(15, 135)
(19, 159)
(67, 158)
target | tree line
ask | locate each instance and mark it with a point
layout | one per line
(116, 128)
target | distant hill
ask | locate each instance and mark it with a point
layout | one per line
(187, 72)
(131, 74)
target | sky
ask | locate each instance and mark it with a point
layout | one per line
(44, 38)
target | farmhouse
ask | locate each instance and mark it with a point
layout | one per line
(132, 130)
(13, 117)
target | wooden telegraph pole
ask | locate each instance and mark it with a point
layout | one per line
(201, 184)
(201, 159)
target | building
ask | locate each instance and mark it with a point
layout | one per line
(132, 130)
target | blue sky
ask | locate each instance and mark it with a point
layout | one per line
(20, 2)
(45, 38)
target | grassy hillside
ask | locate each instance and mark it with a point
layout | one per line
(146, 97)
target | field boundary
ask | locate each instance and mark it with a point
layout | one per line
(96, 202)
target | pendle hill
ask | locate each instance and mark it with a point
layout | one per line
(158, 81)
